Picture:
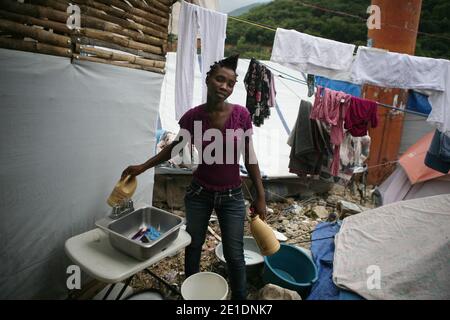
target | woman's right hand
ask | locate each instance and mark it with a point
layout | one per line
(133, 171)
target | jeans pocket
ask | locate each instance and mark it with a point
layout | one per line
(237, 196)
(193, 190)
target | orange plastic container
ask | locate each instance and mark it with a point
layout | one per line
(124, 189)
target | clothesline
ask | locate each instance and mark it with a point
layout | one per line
(292, 78)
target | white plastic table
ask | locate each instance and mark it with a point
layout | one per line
(93, 253)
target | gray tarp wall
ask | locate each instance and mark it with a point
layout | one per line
(414, 128)
(66, 133)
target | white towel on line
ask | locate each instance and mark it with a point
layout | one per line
(313, 55)
(397, 70)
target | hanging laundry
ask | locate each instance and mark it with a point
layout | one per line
(313, 55)
(438, 155)
(337, 85)
(211, 26)
(354, 153)
(330, 107)
(397, 70)
(308, 152)
(440, 104)
(273, 92)
(359, 115)
(310, 81)
(418, 102)
(260, 86)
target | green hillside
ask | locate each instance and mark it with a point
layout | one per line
(256, 42)
(242, 10)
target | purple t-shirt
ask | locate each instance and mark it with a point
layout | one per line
(214, 175)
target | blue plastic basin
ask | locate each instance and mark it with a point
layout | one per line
(290, 268)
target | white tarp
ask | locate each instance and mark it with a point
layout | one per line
(398, 251)
(269, 139)
(66, 133)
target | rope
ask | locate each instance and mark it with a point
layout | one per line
(271, 28)
(252, 23)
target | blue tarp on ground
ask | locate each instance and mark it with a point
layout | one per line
(323, 255)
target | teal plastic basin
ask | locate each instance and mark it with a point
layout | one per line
(290, 268)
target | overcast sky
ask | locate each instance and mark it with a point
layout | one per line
(229, 5)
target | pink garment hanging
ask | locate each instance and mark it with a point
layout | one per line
(360, 113)
(331, 107)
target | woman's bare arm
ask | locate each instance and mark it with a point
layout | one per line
(164, 155)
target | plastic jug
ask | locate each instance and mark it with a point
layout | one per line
(124, 189)
(264, 236)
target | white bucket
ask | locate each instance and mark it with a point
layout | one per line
(204, 286)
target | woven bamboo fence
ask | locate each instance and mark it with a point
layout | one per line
(127, 33)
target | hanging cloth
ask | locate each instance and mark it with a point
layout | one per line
(211, 26)
(307, 148)
(360, 114)
(260, 86)
(313, 55)
(331, 107)
(398, 70)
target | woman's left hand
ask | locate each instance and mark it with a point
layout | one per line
(259, 205)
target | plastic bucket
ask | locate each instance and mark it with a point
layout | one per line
(146, 294)
(204, 286)
(290, 268)
(254, 260)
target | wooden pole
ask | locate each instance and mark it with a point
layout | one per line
(158, 31)
(398, 33)
(158, 5)
(118, 39)
(120, 64)
(168, 3)
(35, 33)
(164, 22)
(94, 23)
(56, 26)
(105, 54)
(111, 14)
(123, 22)
(32, 46)
(34, 11)
(109, 45)
(151, 9)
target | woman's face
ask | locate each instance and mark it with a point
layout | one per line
(221, 84)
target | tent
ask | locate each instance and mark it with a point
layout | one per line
(412, 178)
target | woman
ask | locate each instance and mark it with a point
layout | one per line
(217, 185)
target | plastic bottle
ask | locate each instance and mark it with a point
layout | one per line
(124, 189)
(265, 237)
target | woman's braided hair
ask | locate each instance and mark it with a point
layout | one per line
(229, 62)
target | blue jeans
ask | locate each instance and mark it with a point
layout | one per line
(230, 209)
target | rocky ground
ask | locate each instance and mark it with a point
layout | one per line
(296, 219)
